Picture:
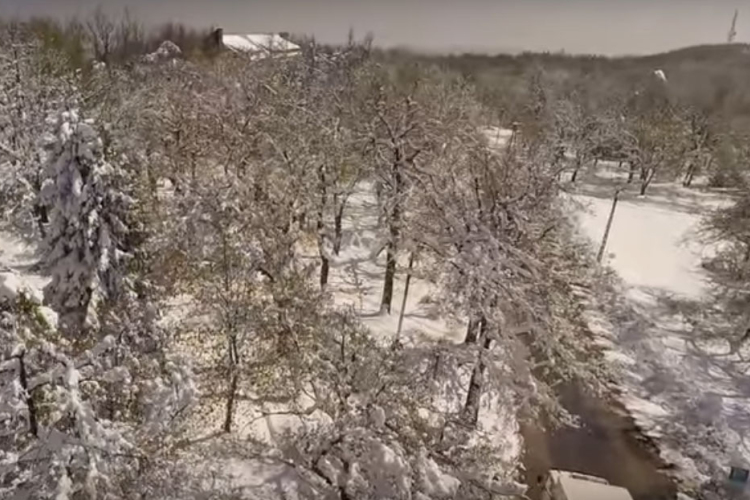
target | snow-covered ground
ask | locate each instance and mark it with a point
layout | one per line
(18, 273)
(687, 396)
(357, 278)
(17, 259)
(497, 137)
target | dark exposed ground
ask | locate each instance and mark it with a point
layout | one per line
(607, 444)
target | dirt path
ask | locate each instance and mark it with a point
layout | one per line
(607, 445)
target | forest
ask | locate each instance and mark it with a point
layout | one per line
(221, 253)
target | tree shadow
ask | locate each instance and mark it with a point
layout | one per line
(664, 195)
(686, 385)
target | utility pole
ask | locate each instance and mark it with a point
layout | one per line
(732, 30)
(600, 255)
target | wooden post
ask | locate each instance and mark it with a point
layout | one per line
(600, 255)
(406, 294)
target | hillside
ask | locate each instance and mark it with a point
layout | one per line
(711, 78)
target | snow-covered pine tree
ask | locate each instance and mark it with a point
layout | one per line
(84, 244)
(99, 411)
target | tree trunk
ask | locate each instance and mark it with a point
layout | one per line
(392, 248)
(325, 267)
(689, 175)
(406, 295)
(390, 274)
(234, 380)
(476, 384)
(379, 192)
(40, 213)
(576, 168)
(707, 167)
(229, 416)
(596, 161)
(631, 172)
(338, 219)
(472, 331)
(320, 226)
(23, 379)
(646, 180)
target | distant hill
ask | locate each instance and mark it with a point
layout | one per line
(718, 53)
(713, 78)
(714, 55)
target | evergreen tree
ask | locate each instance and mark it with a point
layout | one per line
(86, 234)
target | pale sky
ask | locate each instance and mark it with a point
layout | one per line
(576, 26)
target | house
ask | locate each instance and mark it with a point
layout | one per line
(257, 45)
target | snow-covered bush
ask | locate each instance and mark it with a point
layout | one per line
(166, 51)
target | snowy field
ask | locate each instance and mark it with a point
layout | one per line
(688, 396)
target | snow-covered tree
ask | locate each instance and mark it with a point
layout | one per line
(85, 244)
(61, 437)
(35, 83)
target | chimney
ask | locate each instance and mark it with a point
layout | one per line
(218, 36)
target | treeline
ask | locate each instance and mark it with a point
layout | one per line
(708, 77)
(691, 105)
(108, 39)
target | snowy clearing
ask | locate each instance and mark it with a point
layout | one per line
(16, 263)
(688, 398)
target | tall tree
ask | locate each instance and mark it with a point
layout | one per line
(84, 246)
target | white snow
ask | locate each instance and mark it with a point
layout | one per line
(686, 394)
(648, 246)
(434, 482)
(261, 43)
(660, 75)
(167, 50)
(497, 137)
(17, 259)
(357, 278)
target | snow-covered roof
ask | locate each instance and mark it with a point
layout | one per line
(259, 43)
(583, 487)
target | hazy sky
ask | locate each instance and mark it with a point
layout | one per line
(591, 26)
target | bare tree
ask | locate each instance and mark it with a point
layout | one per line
(658, 139)
(397, 121)
(701, 142)
(101, 30)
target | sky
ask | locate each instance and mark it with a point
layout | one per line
(610, 27)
